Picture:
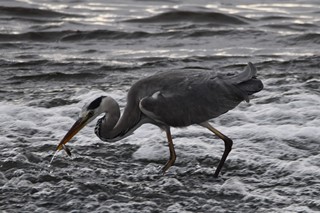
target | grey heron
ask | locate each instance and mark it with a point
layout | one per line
(170, 99)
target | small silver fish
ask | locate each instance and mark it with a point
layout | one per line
(66, 149)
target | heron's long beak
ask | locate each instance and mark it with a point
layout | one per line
(77, 126)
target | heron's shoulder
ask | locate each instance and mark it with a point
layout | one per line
(173, 81)
(181, 75)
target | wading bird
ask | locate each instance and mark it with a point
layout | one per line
(170, 99)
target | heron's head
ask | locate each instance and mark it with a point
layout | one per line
(88, 113)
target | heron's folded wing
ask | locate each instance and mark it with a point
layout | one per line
(186, 106)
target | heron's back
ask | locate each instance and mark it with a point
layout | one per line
(182, 98)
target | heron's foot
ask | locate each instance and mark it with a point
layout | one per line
(216, 174)
(168, 165)
(161, 172)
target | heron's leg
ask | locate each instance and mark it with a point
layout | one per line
(227, 146)
(172, 158)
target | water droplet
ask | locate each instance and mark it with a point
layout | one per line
(53, 157)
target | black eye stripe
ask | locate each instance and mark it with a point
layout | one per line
(95, 104)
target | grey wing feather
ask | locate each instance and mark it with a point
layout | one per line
(191, 104)
(191, 98)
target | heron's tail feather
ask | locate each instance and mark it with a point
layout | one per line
(249, 72)
(246, 82)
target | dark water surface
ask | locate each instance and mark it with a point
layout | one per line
(57, 55)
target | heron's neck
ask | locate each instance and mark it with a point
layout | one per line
(113, 127)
